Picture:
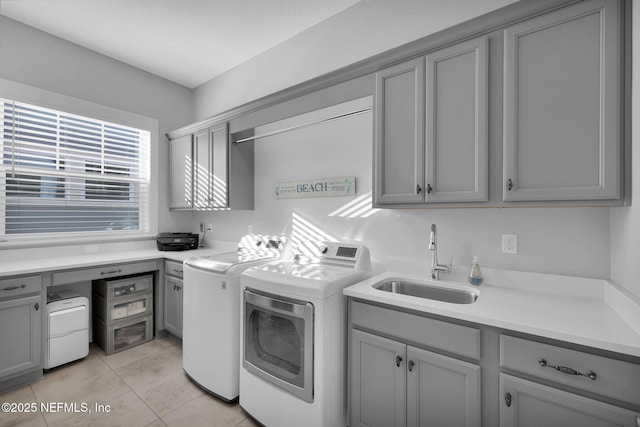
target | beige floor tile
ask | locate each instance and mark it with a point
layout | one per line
(159, 423)
(127, 410)
(23, 417)
(168, 393)
(71, 373)
(143, 371)
(92, 391)
(248, 422)
(133, 354)
(205, 411)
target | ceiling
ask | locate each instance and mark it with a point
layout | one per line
(186, 41)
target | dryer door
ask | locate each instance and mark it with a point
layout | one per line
(278, 341)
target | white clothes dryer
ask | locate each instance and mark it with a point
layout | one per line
(293, 343)
(211, 312)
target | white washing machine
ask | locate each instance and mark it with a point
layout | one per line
(293, 343)
(67, 328)
(211, 312)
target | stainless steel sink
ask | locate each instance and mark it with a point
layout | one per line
(420, 290)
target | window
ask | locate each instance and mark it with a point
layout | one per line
(64, 173)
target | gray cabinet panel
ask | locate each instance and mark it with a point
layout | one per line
(202, 170)
(219, 163)
(173, 305)
(20, 335)
(181, 173)
(529, 404)
(378, 383)
(441, 391)
(456, 123)
(562, 101)
(399, 133)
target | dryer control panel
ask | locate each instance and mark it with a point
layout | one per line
(347, 254)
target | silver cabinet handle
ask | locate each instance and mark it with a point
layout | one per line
(13, 288)
(509, 184)
(110, 272)
(37, 306)
(178, 271)
(410, 365)
(429, 189)
(566, 370)
(507, 399)
(418, 189)
(398, 360)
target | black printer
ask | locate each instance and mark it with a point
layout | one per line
(177, 241)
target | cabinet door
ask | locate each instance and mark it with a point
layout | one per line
(528, 404)
(219, 162)
(562, 137)
(378, 381)
(181, 173)
(20, 335)
(441, 391)
(456, 123)
(399, 134)
(173, 305)
(202, 170)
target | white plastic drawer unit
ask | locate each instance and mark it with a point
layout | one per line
(111, 289)
(68, 332)
(121, 308)
(597, 374)
(122, 334)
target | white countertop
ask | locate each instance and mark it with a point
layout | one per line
(39, 260)
(590, 312)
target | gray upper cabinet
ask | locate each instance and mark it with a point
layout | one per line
(562, 105)
(181, 173)
(456, 123)
(399, 133)
(210, 167)
(208, 172)
(431, 127)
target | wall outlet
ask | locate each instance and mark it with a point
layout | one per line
(209, 226)
(202, 226)
(509, 243)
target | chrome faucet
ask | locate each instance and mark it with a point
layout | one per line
(435, 267)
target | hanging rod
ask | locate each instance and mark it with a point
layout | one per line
(279, 131)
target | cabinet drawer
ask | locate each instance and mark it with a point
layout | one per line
(103, 272)
(14, 287)
(448, 337)
(115, 289)
(612, 378)
(173, 268)
(122, 334)
(122, 307)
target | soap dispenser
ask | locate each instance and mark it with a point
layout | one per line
(475, 275)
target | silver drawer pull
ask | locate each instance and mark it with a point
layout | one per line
(13, 288)
(110, 272)
(178, 271)
(566, 370)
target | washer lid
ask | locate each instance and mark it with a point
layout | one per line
(313, 280)
(221, 263)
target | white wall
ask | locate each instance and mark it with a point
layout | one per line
(35, 58)
(368, 28)
(625, 221)
(571, 241)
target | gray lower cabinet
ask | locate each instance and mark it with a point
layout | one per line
(173, 292)
(431, 127)
(393, 383)
(529, 404)
(562, 105)
(20, 326)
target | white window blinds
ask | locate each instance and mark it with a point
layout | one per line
(64, 173)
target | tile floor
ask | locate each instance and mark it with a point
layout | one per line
(143, 386)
